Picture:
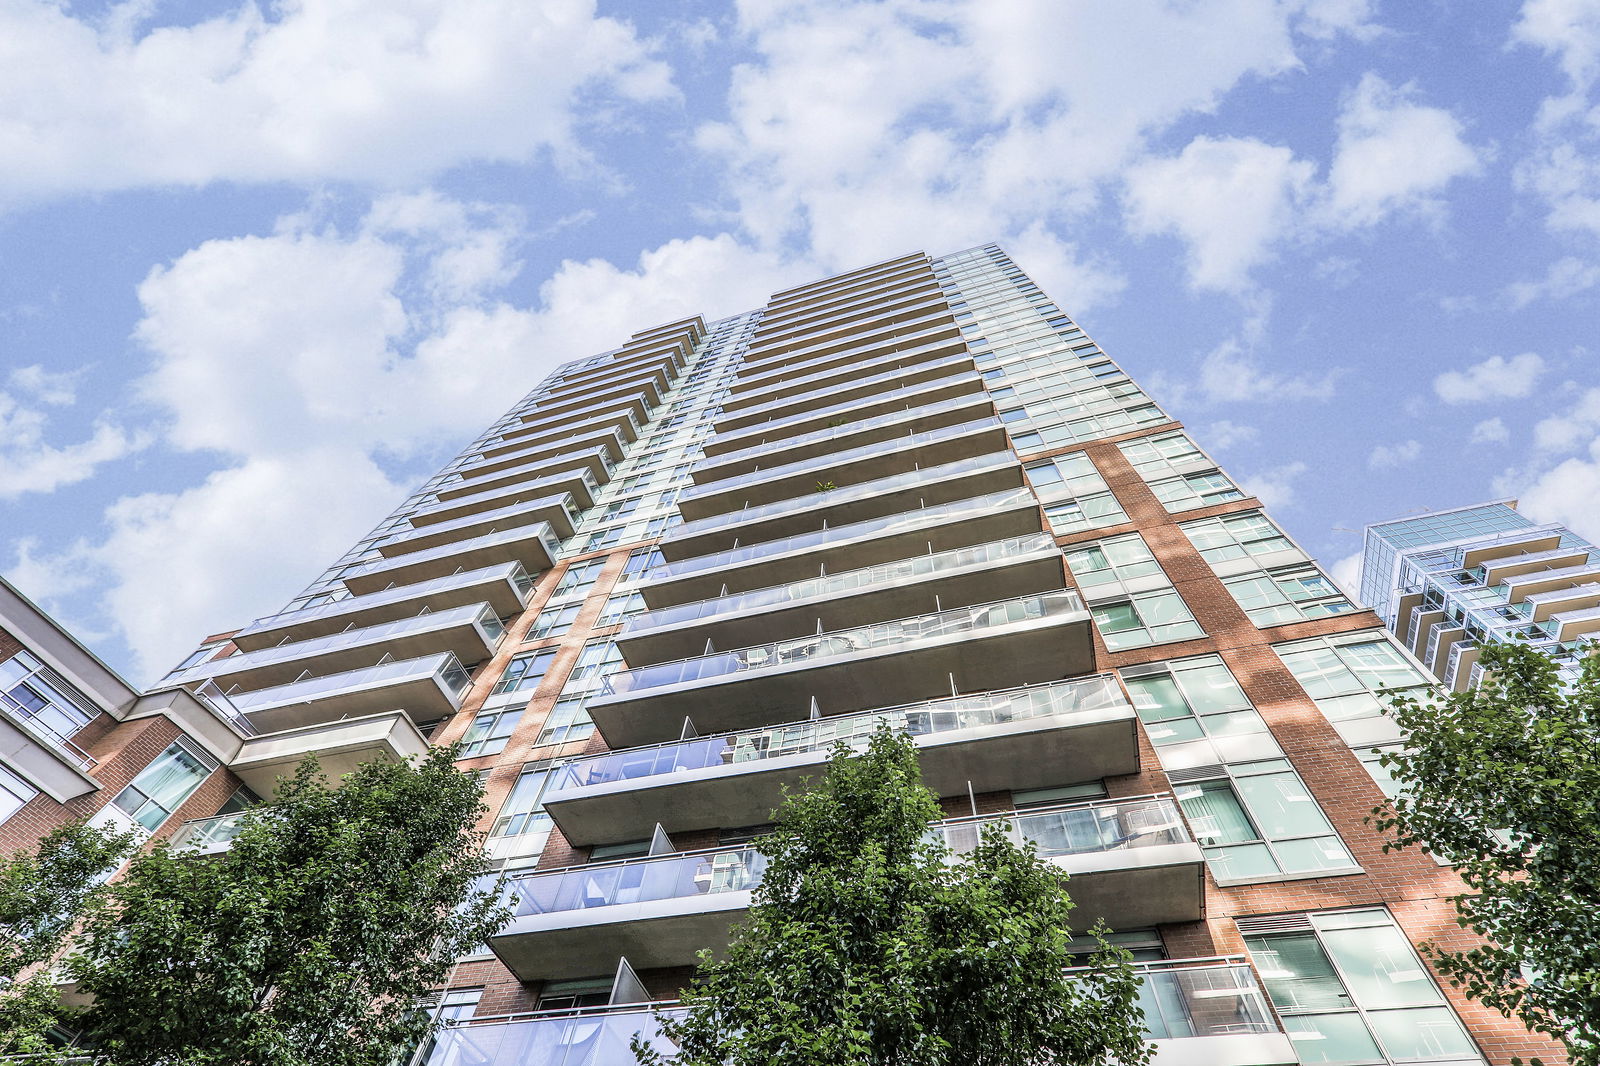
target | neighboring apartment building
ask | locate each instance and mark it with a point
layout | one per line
(1448, 582)
(675, 574)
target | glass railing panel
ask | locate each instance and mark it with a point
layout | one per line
(444, 666)
(867, 316)
(1094, 828)
(582, 475)
(513, 572)
(821, 463)
(848, 429)
(908, 345)
(699, 873)
(536, 530)
(846, 642)
(1002, 457)
(1090, 698)
(1182, 1000)
(910, 393)
(52, 733)
(521, 509)
(835, 584)
(589, 1038)
(202, 832)
(210, 693)
(952, 365)
(921, 517)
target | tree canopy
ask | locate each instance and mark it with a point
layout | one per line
(1503, 782)
(869, 944)
(311, 940)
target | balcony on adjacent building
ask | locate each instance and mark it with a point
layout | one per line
(1036, 736)
(557, 455)
(1031, 639)
(891, 398)
(468, 632)
(952, 578)
(503, 587)
(1569, 626)
(557, 511)
(824, 507)
(806, 476)
(835, 549)
(849, 434)
(868, 384)
(533, 547)
(428, 688)
(1131, 863)
(578, 483)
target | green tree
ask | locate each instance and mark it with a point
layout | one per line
(1503, 782)
(868, 944)
(311, 940)
(44, 892)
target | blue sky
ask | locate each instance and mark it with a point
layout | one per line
(264, 267)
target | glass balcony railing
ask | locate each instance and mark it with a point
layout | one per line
(51, 732)
(907, 395)
(586, 479)
(205, 832)
(921, 517)
(893, 345)
(1094, 828)
(550, 452)
(1100, 827)
(536, 531)
(997, 552)
(873, 316)
(525, 512)
(445, 668)
(596, 1037)
(995, 460)
(472, 614)
(512, 572)
(842, 643)
(1090, 698)
(821, 465)
(1191, 998)
(458, 486)
(847, 429)
(745, 415)
(657, 877)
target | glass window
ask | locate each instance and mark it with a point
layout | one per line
(522, 814)
(1257, 820)
(489, 731)
(33, 692)
(1112, 560)
(1278, 597)
(597, 659)
(1190, 699)
(1236, 536)
(14, 793)
(525, 671)
(572, 995)
(1353, 990)
(452, 1008)
(566, 722)
(552, 623)
(578, 576)
(1344, 675)
(1148, 618)
(162, 786)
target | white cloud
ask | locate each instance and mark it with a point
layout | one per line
(1496, 378)
(329, 369)
(1231, 199)
(1346, 573)
(1490, 431)
(1566, 277)
(1393, 155)
(1275, 488)
(385, 91)
(1563, 167)
(1569, 493)
(1230, 373)
(29, 461)
(1570, 429)
(1224, 434)
(1387, 456)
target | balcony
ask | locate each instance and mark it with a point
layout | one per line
(42, 751)
(427, 689)
(659, 378)
(638, 399)
(1032, 639)
(579, 484)
(468, 632)
(953, 578)
(598, 1036)
(850, 433)
(858, 280)
(555, 511)
(865, 463)
(209, 836)
(1131, 863)
(339, 746)
(932, 335)
(1524, 586)
(558, 427)
(1210, 1012)
(892, 397)
(961, 523)
(895, 494)
(862, 311)
(532, 547)
(1032, 737)
(837, 390)
(1198, 1012)
(558, 454)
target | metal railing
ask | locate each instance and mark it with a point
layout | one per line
(1088, 699)
(847, 642)
(203, 832)
(33, 722)
(1187, 998)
